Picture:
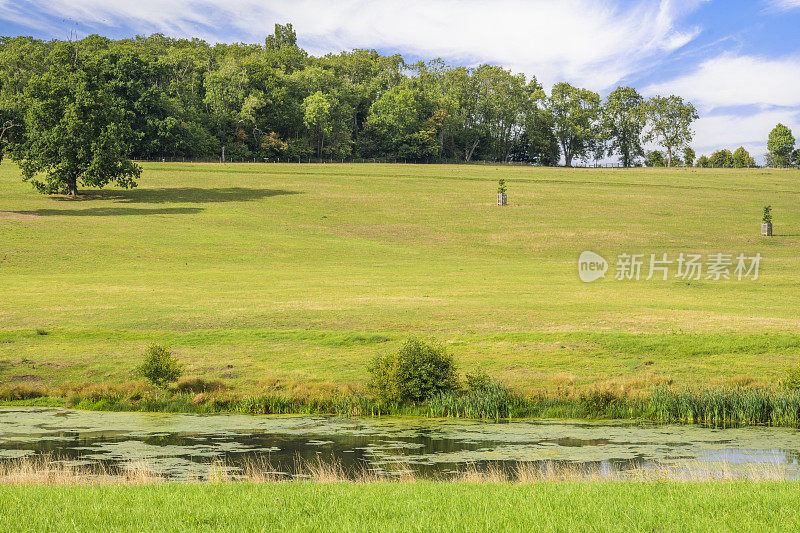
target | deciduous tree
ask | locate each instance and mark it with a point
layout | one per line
(624, 118)
(780, 145)
(722, 159)
(575, 115)
(742, 158)
(688, 156)
(670, 121)
(77, 125)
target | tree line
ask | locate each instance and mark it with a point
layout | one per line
(82, 110)
(781, 146)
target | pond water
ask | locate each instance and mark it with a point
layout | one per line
(182, 445)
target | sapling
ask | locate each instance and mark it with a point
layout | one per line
(766, 221)
(501, 187)
(767, 217)
(501, 192)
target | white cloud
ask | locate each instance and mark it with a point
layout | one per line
(785, 5)
(595, 43)
(730, 80)
(733, 130)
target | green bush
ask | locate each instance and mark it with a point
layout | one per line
(792, 380)
(414, 374)
(478, 381)
(160, 366)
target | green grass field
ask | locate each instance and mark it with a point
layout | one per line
(420, 506)
(295, 276)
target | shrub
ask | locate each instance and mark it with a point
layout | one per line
(792, 380)
(160, 366)
(478, 381)
(501, 187)
(414, 374)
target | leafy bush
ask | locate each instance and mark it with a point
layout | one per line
(160, 366)
(478, 381)
(501, 187)
(792, 380)
(414, 374)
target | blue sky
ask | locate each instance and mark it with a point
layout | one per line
(738, 61)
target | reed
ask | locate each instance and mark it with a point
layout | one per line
(726, 407)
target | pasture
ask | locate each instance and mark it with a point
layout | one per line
(293, 276)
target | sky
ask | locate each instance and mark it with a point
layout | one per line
(737, 61)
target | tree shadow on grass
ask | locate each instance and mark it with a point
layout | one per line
(109, 212)
(189, 195)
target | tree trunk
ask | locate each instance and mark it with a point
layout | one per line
(567, 154)
(669, 157)
(72, 187)
(471, 150)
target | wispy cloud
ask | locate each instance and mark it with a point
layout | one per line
(741, 98)
(784, 5)
(731, 80)
(596, 43)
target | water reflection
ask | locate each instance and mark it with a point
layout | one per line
(183, 445)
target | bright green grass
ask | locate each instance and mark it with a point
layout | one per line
(301, 273)
(420, 506)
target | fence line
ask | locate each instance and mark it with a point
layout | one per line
(368, 160)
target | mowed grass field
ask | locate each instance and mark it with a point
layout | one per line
(419, 506)
(294, 276)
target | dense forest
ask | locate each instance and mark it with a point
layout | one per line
(157, 97)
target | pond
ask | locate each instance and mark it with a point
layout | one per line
(182, 445)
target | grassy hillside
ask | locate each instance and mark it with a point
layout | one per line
(581, 506)
(294, 276)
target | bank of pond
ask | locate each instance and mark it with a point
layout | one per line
(717, 407)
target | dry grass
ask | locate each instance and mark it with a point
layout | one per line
(96, 391)
(21, 391)
(47, 470)
(199, 385)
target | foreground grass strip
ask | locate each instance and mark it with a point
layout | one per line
(391, 506)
